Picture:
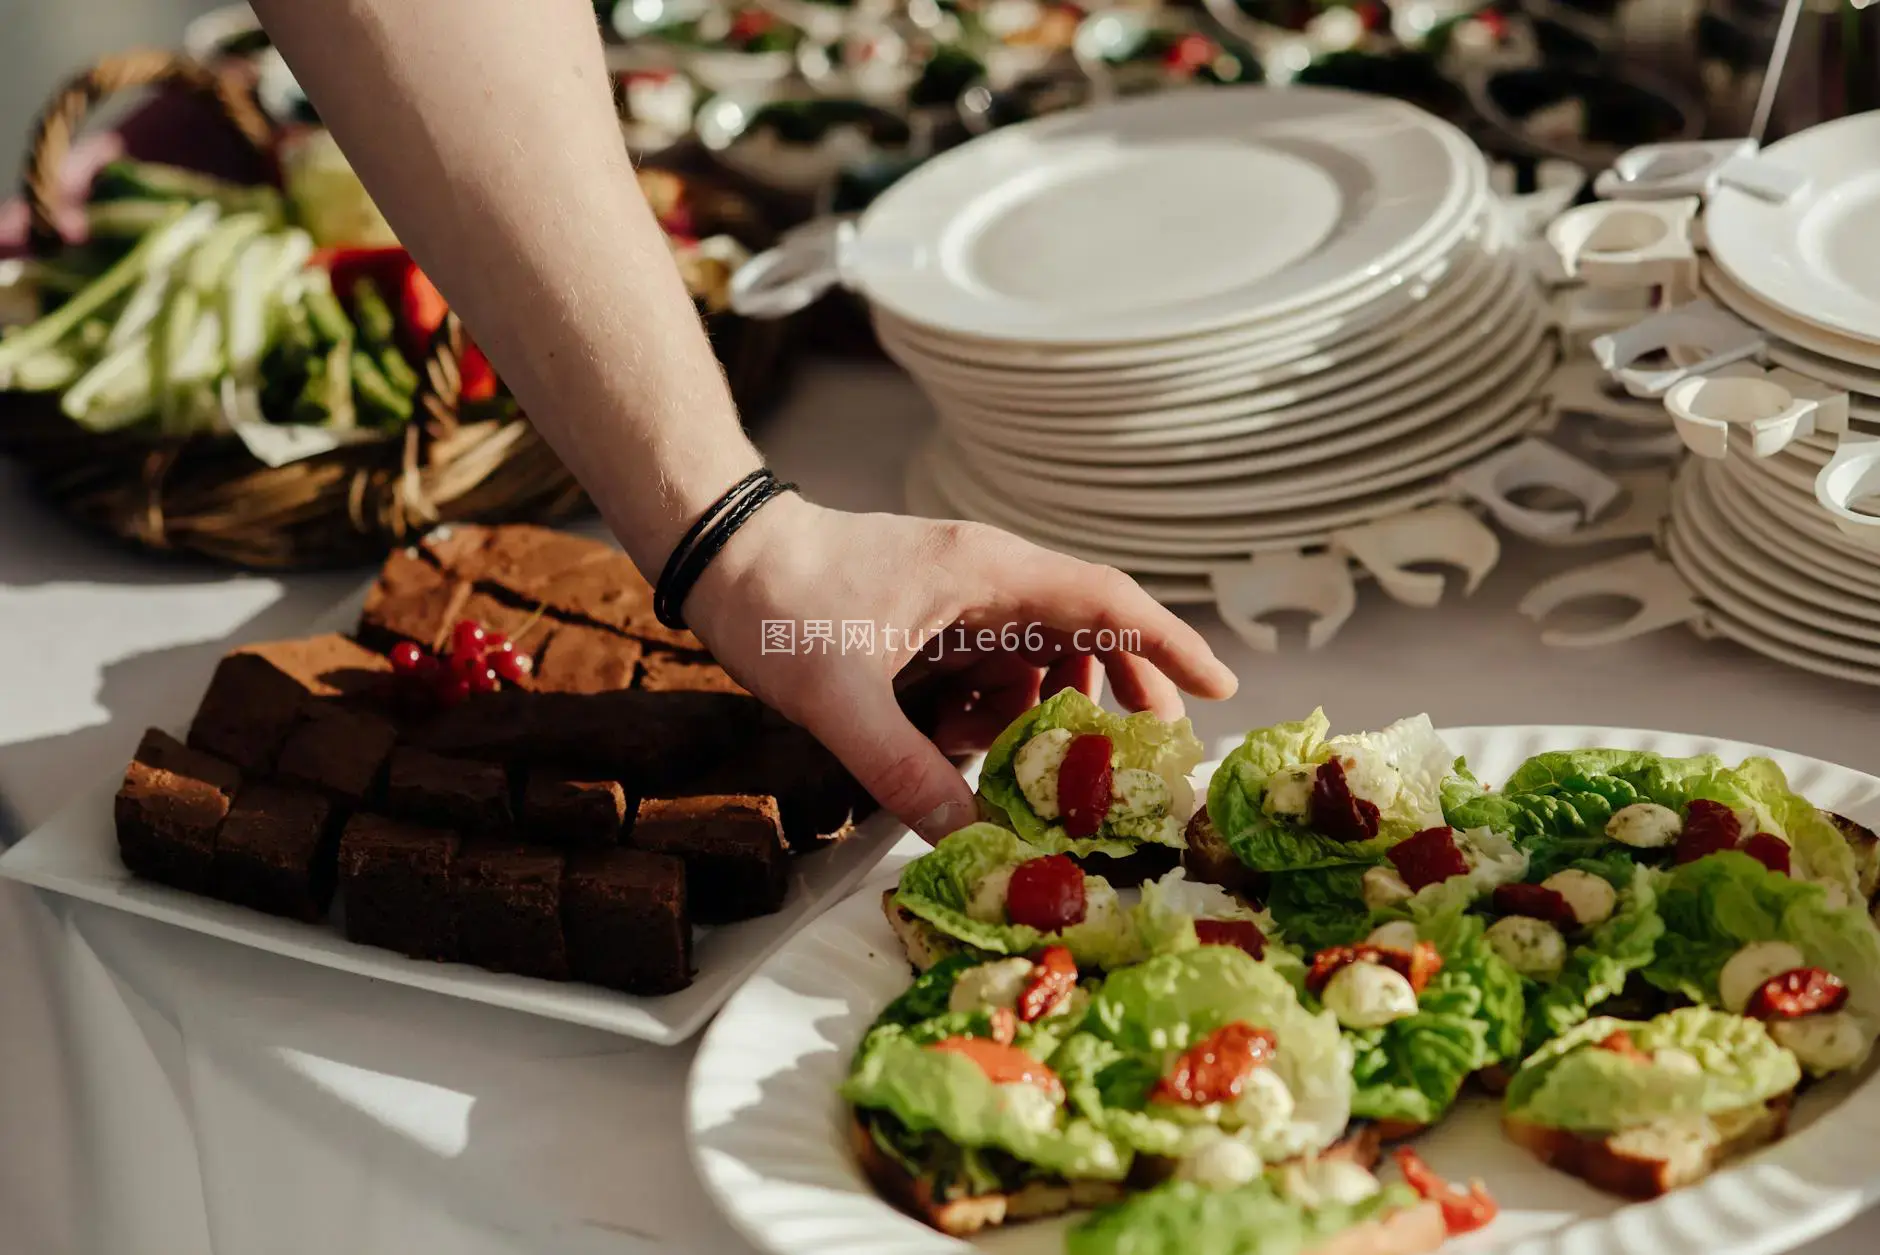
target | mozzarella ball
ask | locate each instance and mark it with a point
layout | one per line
(987, 905)
(1823, 1043)
(991, 985)
(1315, 1183)
(1036, 765)
(1399, 934)
(1591, 897)
(1370, 776)
(1030, 1105)
(1289, 792)
(1264, 1106)
(1644, 825)
(1223, 1163)
(1384, 888)
(1532, 947)
(1134, 791)
(1750, 968)
(1369, 995)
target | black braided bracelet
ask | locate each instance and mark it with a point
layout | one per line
(706, 537)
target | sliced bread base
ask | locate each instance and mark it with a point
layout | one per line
(1645, 1163)
(1412, 1231)
(924, 944)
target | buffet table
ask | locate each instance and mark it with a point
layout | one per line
(168, 1093)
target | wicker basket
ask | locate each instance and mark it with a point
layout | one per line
(207, 495)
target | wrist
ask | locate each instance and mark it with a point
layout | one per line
(725, 596)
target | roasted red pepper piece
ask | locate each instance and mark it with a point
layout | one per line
(1769, 850)
(1003, 1064)
(1536, 902)
(1083, 787)
(423, 308)
(1462, 1213)
(1620, 1042)
(1418, 965)
(1795, 993)
(1053, 977)
(1243, 934)
(1335, 811)
(1708, 827)
(1430, 857)
(1046, 894)
(1215, 1068)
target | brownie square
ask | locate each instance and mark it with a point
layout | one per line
(736, 863)
(164, 752)
(508, 903)
(166, 826)
(259, 692)
(455, 547)
(585, 660)
(526, 560)
(674, 673)
(339, 751)
(624, 915)
(460, 793)
(276, 852)
(411, 601)
(394, 879)
(561, 810)
(819, 800)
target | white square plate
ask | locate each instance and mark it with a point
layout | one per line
(75, 853)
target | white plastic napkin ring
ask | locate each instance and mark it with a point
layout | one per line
(1775, 408)
(1630, 244)
(1661, 171)
(1537, 464)
(1442, 533)
(1648, 581)
(1850, 475)
(1319, 584)
(1718, 335)
(806, 263)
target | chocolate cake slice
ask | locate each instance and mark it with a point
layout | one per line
(169, 809)
(666, 672)
(581, 659)
(394, 880)
(411, 601)
(461, 793)
(624, 915)
(819, 800)
(736, 864)
(338, 751)
(259, 693)
(571, 813)
(508, 902)
(277, 852)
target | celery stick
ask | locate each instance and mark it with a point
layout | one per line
(147, 301)
(209, 265)
(341, 416)
(115, 393)
(262, 269)
(329, 317)
(385, 405)
(36, 337)
(49, 372)
(127, 219)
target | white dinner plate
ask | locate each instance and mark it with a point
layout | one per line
(1478, 279)
(1163, 216)
(1368, 413)
(1812, 256)
(768, 1131)
(1442, 446)
(75, 853)
(1804, 335)
(1862, 384)
(1720, 624)
(1724, 589)
(1756, 516)
(1796, 508)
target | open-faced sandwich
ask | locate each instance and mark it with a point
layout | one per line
(1645, 956)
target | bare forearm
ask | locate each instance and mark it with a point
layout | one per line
(485, 131)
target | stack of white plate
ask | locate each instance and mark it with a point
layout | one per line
(1179, 331)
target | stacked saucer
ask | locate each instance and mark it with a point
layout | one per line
(1174, 332)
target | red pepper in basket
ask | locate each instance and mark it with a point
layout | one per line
(423, 308)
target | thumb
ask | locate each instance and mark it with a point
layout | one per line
(901, 768)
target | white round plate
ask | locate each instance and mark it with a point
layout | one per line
(1797, 508)
(1441, 446)
(1421, 392)
(1774, 584)
(1776, 534)
(1812, 256)
(1724, 589)
(1719, 624)
(1805, 335)
(1189, 462)
(1163, 216)
(1864, 384)
(768, 1132)
(1477, 279)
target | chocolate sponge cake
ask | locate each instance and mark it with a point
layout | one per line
(736, 865)
(276, 851)
(395, 880)
(169, 810)
(624, 915)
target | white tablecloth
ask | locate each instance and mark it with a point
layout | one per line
(164, 1093)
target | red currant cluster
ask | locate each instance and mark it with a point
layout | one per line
(477, 660)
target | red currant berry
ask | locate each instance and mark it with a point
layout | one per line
(463, 666)
(509, 664)
(452, 691)
(495, 640)
(468, 637)
(428, 668)
(485, 681)
(405, 657)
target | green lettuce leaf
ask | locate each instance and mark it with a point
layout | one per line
(1144, 1016)
(931, 1090)
(1468, 1017)
(1598, 967)
(1319, 908)
(939, 888)
(1572, 1084)
(1275, 843)
(1171, 750)
(1817, 850)
(1716, 905)
(1183, 1218)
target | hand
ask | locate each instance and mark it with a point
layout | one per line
(797, 562)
